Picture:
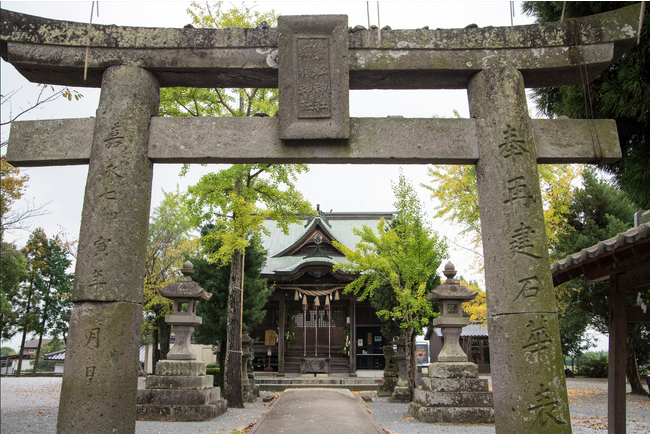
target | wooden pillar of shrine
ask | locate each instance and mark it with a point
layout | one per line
(281, 327)
(617, 350)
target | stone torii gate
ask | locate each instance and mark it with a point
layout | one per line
(314, 62)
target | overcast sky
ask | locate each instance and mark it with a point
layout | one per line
(335, 187)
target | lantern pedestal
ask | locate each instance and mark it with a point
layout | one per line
(452, 392)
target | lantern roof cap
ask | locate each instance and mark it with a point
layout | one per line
(451, 289)
(186, 287)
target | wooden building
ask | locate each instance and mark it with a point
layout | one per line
(308, 317)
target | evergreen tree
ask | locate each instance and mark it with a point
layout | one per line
(28, 302)
(599, 211)
(55, 287)
(214, 277)
(621, 92)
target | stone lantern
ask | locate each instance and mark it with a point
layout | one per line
(452, 392)
(451, 296)
(184, 294)
(181, 390)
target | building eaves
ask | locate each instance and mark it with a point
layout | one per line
(573, 265)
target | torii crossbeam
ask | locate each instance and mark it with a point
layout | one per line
(313, 61)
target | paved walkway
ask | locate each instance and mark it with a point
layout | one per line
(317, 411)
(29, 406)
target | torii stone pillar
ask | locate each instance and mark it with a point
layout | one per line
(101, 365)
(527, 367)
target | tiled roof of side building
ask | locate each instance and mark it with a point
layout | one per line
(638, 234)
(471, 330)
(60, 355)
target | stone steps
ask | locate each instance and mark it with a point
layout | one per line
(278, 384)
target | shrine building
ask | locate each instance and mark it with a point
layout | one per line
(310, 324)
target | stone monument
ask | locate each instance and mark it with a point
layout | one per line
(180, 390)
(390, 372)
(401, 389)
(452, 392)
(250, 390)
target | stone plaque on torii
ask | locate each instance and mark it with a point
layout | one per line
(309, 63)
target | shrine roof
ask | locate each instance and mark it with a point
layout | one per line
(339, 225)
(603, 256)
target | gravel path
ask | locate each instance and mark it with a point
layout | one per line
(29, 405)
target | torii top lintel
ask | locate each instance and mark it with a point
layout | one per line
(53, 52)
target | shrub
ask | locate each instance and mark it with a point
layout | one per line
(593, 365)
(218, 379)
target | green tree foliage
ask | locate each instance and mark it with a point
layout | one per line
(454, 189)
(404, 257)
(14, 268)
(7, 351)
(169, 244)
(599, 211)
(214, 277)
(621, 92)
(55, 287)
(238, 200)
(53, 346)
(185, 101)
(28, 302)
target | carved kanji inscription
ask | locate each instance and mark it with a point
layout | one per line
(93, 338)
(546, 408)
(314, 96)
(115, 136)
(522, 242)
(538, 339)
(518, 191)
(98, 280)
(529, 287)
(512, 145)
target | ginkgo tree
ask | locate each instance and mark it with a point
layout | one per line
(403, 255)
(191, 101)
(238, 200)
(454, 188)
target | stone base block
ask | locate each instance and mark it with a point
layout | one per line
(453, 399)
(453, 370)
(388, 387)
(451, 414)
(182, 396)
(249, 393)
(400, 394)
(180, 382)
(180, 368)
(455, 384)
(100, 378)
(180, 413)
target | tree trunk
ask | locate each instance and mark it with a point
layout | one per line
(631, 366)
(408, 348)
(232, 365)
(20, 354)
(38, 349)
(22, 343)
(40, 341)
(165, 333)
(222, 362)
(155, 353)
(414, 363)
